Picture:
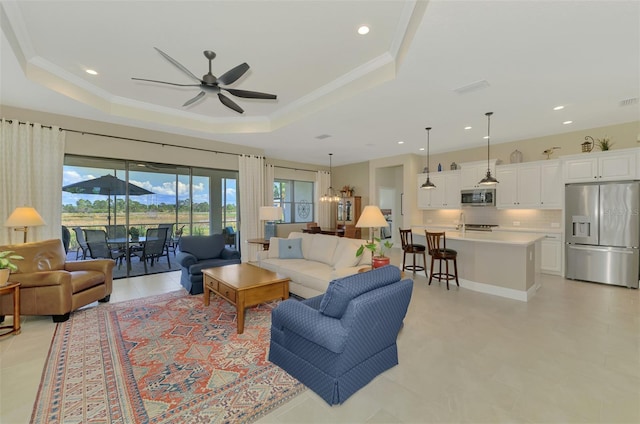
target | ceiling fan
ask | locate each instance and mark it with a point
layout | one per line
(211, 84)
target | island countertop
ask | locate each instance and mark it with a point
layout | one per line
(502, 237)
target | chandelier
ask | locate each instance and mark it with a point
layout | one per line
(330, 195)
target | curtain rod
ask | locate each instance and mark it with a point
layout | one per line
(152, 142)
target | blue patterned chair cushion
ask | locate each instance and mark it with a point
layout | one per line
(342, 290)
(290, 249)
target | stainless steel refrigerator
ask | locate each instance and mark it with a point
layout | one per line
(602, 233)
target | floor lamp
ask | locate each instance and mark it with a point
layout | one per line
(270, 214)
(22, 218)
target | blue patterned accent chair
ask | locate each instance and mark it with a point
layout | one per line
(338, 342)
(202, 252)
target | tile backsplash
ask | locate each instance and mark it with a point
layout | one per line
(525, 218)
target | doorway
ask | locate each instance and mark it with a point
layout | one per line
(389, 189)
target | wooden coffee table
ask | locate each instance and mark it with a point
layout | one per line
(244, 285)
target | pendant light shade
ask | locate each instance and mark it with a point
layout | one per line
(428, 185)
(488, 179)
(330, 195)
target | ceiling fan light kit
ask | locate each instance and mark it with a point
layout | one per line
(212, 84)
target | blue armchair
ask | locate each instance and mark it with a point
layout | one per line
(337, 342)
(201, 252)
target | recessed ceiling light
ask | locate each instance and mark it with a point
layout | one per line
(558, 108)
(422, 148)
(567, 122)
(485, 137)
(400, 142)
(363, 30)
(467, 128)
(91, 72)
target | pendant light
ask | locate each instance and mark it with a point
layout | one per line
(428, 185)
(330, 195)
(488, 179)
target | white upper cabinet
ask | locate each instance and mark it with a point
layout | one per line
(529, 185)
(551, 185)
(446, 194)
(602, 166)
(472, 172)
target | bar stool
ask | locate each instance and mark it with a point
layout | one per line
(441, 254)
(406, 238)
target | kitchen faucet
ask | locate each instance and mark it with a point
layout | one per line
(461, 224)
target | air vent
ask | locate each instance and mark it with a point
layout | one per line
(628, 102)
(322, 136)
(474, 86)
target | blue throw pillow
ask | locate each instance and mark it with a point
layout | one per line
(342, 290)
(290, 248)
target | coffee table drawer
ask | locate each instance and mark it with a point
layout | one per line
(227, 292)
(211, 283)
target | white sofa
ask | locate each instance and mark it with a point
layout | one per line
(324, 258)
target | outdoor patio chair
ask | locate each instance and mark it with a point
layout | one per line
(169, 228)
(174, 242)
(154, 247)
(99, 248)
(82, 243)
(117, 231)
(229, 236)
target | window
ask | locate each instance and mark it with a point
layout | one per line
(295, 198)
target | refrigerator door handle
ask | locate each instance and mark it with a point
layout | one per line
(627, 250)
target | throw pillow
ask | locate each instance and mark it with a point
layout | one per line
(341, 291)
(290, 248)
(345, 255)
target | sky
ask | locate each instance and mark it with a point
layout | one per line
(162, 185)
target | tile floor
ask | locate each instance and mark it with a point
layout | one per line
(571, 354)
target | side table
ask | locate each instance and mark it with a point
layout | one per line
(12, 288)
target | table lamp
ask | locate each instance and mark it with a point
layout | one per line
(24, 217)
(270, 214)
(373, 218)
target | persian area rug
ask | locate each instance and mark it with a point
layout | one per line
(162, 359)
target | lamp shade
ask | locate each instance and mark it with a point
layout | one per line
(371, 217)
(270, 213)
(24, 216)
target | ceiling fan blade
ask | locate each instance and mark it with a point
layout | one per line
(232, 75)
(177, 64)
(165, 82)
(230, 103)
(250, 94)
(194, 99)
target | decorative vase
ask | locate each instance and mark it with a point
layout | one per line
(4, 276)
(378, 261)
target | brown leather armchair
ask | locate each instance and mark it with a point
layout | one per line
(51, 286)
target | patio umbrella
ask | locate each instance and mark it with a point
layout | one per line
(106, 185)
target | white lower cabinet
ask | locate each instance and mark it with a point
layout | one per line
(551, 254)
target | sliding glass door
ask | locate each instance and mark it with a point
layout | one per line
(185, 200)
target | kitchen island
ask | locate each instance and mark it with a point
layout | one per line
(501, 263)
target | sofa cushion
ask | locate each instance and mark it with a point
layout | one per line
(307, 241)
(341, 291)
(345, 254)
(203, 247)
(322, 248)
(290, 248)
(274, 247)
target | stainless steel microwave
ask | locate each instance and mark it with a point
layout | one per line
(478, 197)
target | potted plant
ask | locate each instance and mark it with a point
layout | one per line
(134, 232)
(6, 266)
(604, 143)
(347, 190)
(377, 248)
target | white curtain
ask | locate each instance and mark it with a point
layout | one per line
(251, 187)
(323, 209)
(31, 161)
(269, 177)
